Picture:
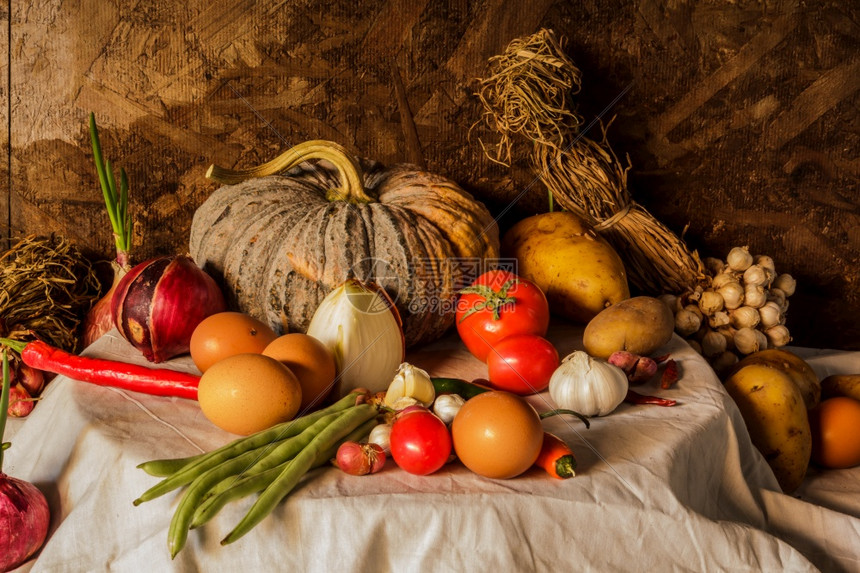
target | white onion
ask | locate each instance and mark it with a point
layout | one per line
(362, 328)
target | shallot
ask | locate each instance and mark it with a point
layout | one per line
(360, 459)
(158, 304)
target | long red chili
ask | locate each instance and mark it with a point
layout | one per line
(153, 381)
(637, 398)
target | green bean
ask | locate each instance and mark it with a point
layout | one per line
(276, 433)
(179, 525)
(249, 483)
(167, 467)
(298, 467)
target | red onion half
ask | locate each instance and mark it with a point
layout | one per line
(159, 303)
(24, 519)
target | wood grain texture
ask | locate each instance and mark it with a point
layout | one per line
(741, 123)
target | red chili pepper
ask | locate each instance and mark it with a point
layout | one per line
(556, 457)
(670, 375)
(154, 381)
(637, 398)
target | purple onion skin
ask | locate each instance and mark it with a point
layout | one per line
(158, 304)
(24, 519)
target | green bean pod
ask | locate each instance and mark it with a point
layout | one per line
(264, 438)
(250, 483)
(298, 467)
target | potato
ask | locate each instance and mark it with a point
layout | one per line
(775, 415)
(794, 366)
(841, 385)
(640, 325)
(580, 273)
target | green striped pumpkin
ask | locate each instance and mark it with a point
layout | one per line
(279, 243)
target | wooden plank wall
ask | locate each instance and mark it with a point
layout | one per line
(740, 119)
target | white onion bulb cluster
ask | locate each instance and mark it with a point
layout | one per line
(741, 310)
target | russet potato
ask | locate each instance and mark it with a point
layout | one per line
(580, 273)
(640, 325)
(775, 414)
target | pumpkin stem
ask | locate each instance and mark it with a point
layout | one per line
(352, 186)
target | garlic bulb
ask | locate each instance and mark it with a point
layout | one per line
(733, 294)
(710, 302)
(587, 385)
(745, 316)
(765, 262)
(695, 345)
(687, 322)
(756, 275)
(778, 296)
(722, 279)
(410, 382)
(755, 296)
(713, 343)
(770, 314)
(361, 327)
(786, 283)
(714, 265)
(718, 319)
(379, 435)
(739, 259)
(748, 340)
(724, 361)
(778, 335)
(671, 300)
(446, 406)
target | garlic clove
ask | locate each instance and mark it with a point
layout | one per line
(446, 406)
(410, 382)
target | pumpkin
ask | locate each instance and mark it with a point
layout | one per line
(278, 243)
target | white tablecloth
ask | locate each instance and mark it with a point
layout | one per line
(657, 489)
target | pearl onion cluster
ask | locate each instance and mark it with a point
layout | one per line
(740, 311)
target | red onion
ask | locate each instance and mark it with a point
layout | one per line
(99, 319)
(21, 403)
(24, 519)
(360, 459)
(159, 303)
(31, 379)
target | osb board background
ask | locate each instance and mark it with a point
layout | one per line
(740, 118)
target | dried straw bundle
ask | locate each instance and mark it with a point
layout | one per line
(46, 287)
(582, 174)
(528, 94)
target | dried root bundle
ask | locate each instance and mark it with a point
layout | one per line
(529, 94)
(584, 175)
(46, 287)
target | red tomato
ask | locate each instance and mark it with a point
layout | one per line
(522, 364)
(497, 305)
(420, 442)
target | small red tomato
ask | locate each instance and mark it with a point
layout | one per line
(420, 442)
(497, 305)
(522, 364)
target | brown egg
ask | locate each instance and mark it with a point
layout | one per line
(247, 393)
(226, 334)
(497, 435)
(312, 363)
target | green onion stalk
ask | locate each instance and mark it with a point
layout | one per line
(99, 319)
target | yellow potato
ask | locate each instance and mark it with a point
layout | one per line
(640, 325)
(841, 385)
(580, 273)
(794, 366)
(775, 415)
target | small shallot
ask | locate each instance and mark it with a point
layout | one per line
(360, 459)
